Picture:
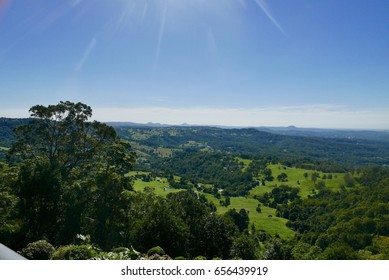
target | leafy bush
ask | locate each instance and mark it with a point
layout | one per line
(339, 251)
(74, 252)
(39, 250)
(200, 258)
(156, 250)
(244, 247)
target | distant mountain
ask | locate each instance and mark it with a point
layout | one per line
(132, 124)
(7, 125)
(348, 147)
(376, 135)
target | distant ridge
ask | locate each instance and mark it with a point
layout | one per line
(376, 135)
(8, 124)
(132, 124)
(366, 134)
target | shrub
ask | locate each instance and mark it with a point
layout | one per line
(200, 258)
(339, 251)
(39, 250)
(157, 257)
(244, 247)
(74, 252)
(156, 250)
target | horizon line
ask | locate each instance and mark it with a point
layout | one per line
(323, 116)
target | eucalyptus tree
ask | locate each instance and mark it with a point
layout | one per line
(69, 167)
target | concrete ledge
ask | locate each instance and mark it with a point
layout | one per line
(8, 254)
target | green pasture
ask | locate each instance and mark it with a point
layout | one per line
(246, 162)
(266, 220)
(157, 185)
(164, 152)
(296, 179)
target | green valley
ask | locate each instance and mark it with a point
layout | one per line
(201, 192)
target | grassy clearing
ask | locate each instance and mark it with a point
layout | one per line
(133, 173)
(139, 136)
(246, 162)
(164, 152)
(266, 220)
(296, 179)
(157, 185)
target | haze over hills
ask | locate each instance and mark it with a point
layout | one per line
(8, 124)
(376, 135)
(349, 148)
(133, 124)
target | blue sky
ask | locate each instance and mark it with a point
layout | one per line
(308, 63)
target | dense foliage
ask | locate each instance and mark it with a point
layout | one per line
(64, 170)
(66, 192)
(350, 219)
(295, 149)
(221, 170)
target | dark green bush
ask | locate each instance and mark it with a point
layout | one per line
(156, 250)
(39, 250)
(74, 252)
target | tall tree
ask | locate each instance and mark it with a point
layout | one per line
(66, 166)
(61, 135)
